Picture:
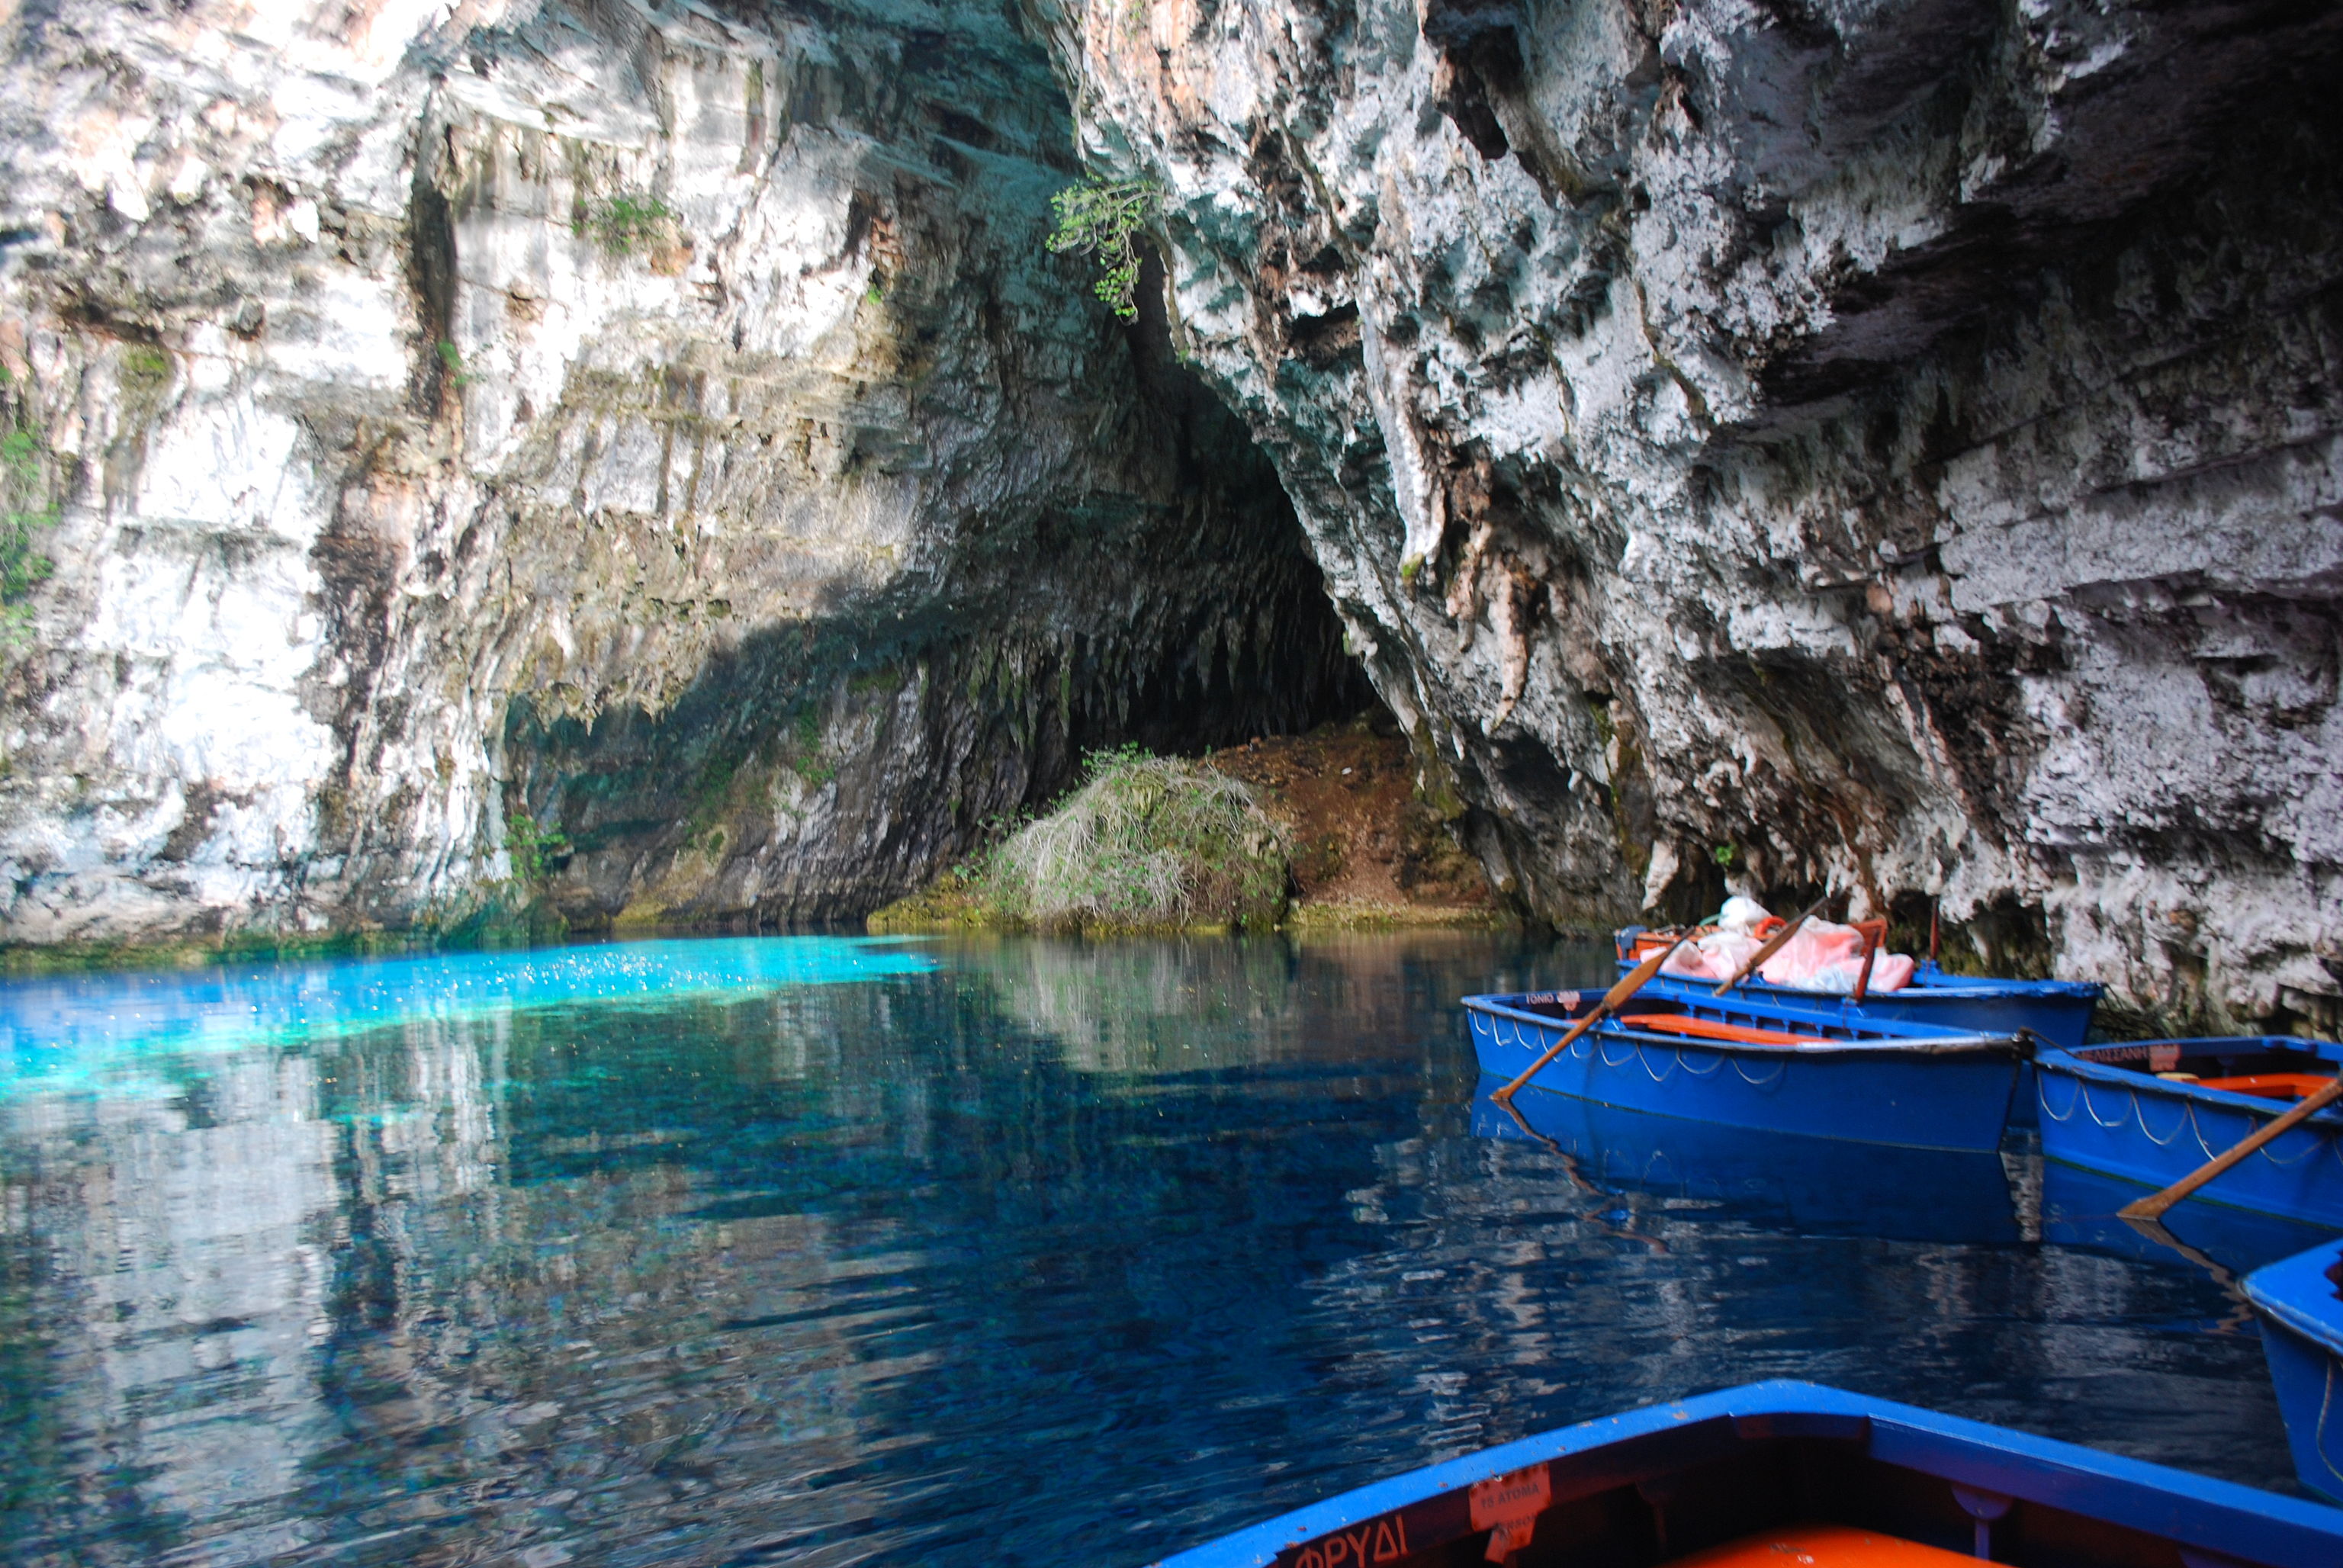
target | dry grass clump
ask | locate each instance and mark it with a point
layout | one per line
(1147, 843)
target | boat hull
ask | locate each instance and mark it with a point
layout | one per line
(2056, 1012)
(1918, 1094)
(2302, 1339)
(2101, 1115)
(1779, 1458)
(1809, 1186)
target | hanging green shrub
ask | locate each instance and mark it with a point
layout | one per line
(532, 849)
(625, 224)
(1101, 218)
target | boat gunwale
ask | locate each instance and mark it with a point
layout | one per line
(1895, 1046)
(2229, 1519)
(2075, 1063)
(2272, 1298)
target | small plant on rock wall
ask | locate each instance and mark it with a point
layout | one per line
(1102, 218)
(532, 848)
(23, 567)
(625, 224)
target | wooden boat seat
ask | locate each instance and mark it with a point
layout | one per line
(1822, 1546)
(1713, 1029)
(2276, 1085)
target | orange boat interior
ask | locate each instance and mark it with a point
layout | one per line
(1824, 1546)
(2276, 1085)
(2272, 1067)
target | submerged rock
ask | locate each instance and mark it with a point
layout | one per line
(1886, 448)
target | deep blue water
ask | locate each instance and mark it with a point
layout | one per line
(1020, 1252)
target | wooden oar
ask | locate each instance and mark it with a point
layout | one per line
(1772, 945)
(2154, 1206)
(1618, 995)
(1873, 940)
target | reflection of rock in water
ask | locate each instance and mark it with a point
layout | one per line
(269, 1288)
(1191, 1005)
(945, 1268)
(181, 1283)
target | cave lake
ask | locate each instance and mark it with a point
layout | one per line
(824, 1250)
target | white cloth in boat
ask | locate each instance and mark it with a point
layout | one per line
(1821, 956)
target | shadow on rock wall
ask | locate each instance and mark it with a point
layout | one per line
(815, 771)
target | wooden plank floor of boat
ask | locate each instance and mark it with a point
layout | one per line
(1822, 1546)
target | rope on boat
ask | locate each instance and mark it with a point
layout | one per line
(2323, 1139)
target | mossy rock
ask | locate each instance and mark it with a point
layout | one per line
(1146, 844)
(954, 902)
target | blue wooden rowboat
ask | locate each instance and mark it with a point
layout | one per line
(1784, 1475)
(1869, 1081)
(2059, 1012)
(1809, 1186)
(2104, 1108)
(2301, 1304)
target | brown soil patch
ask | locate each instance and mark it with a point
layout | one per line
(1364, 840)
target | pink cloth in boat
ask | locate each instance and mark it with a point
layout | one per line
(1820, 957)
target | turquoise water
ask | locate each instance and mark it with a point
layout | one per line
(827, 1251)
(98, 1031)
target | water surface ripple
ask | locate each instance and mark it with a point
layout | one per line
(1014, 1251)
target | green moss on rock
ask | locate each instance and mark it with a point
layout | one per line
(1146, 844)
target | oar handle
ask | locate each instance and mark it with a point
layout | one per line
(1772, 945)
(1875, 937)
(1618, 995)
(2154, 1206)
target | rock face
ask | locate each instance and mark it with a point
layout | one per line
(640, 455)
(1884, 447)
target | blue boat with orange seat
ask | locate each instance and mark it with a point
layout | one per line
(2149, 1112)
(1790, 1475)
(1745, 1063)
(2299, 1301)
(2058, 1011)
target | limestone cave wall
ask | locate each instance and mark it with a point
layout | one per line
(640, 458)
(637, 459)
(1886, 448)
